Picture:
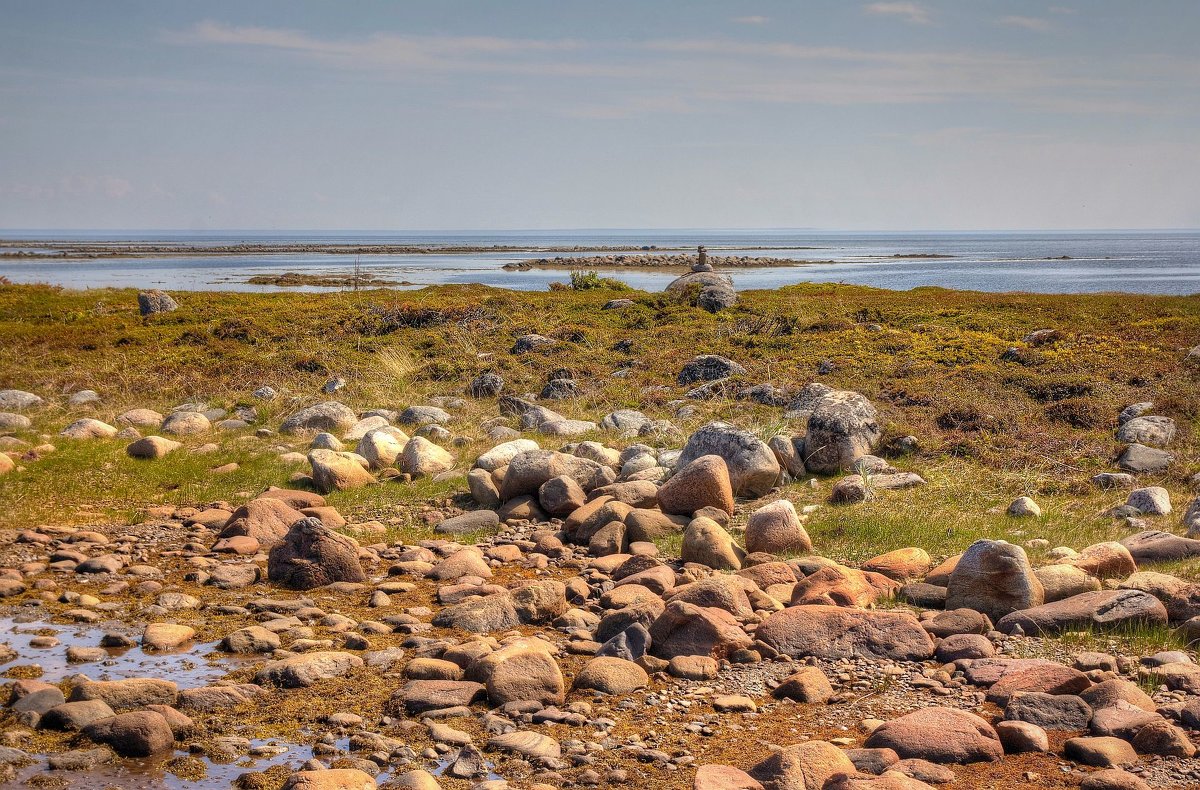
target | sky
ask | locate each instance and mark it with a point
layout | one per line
(541, 114)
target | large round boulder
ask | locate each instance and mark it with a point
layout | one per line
(993, 577)
(312, 555)
(752, 466)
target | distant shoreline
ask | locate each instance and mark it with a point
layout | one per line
(57, 250)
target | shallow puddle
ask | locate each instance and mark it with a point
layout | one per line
(188, 666)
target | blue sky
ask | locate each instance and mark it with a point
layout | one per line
(964, 114)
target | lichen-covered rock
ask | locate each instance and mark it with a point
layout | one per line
(156, 301)
(753, 469)
(842, 428)
(330, 416)
(1104, 609)
(707, 543)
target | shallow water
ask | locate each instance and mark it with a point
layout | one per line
(186, 666)
(1134, 262)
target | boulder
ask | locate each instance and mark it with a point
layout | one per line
(421, 696)
(524, 672)
(837, 585)
(776, 529)
(136, 734)
(807, 685)
(1049, 711)
(265, 519)
(338, 471)
(842, 428)
(471, 521)
(186, 423)
(329, 416)
(835, 632)
(901, 564)
(711, 291)
(1063, 581)
(381, 446)
(1140, 459)
(1150, 430)
(166, 636)
(1101, 610)
(527, 471)
(804, 766)
(939, 735)
(1150, 501)
(1108, 560)
(152, 448)
(707, 543)
(611, 676)
(684, 629)
(423, 458)
(724, 777)
(312, 555)
(155, 301)
(1158, 546)
(1101, 751)
(708, 367)
(88, 428)
(331, 779)
(993, 577)
(19, 401)
(305, 669)
(702, 483)
(752, 467)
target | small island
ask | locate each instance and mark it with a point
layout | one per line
(292, 279)
(659, 262)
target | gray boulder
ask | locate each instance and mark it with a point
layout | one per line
(1151, 431)
(330, 416)
(753, 468)
(19, 400)
(156, 301)
(709, 367)
(842, 428)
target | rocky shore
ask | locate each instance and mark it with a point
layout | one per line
(572, 596)
(667, 261)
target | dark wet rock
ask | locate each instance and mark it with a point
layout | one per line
(312, 555)
(135, 734)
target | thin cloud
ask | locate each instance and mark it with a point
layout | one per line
(752, 20)
(1034, 23)
(912, 12)
(678, 75)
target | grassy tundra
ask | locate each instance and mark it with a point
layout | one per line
(1038, 422)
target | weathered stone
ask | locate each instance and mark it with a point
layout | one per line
(776, 529)
(1101, 751)
(328, 416)
(842, 428)
(708, 367)
(683, 629)
(808, 685)
(1101, 610)
(338, 471)
(703, 482)
(307, 668)
(804, 766)
(611, 676)
(993, 577)
(135, 734)
(1149, 430)
(752, 467)
(312, 555)
(1049, 711)
(423, 458)
(836, 632)
(940, 735)
(706, 543)
(1140, 459)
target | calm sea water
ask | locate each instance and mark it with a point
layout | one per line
(1165, 262)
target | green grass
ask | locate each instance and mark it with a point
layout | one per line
(930, 359)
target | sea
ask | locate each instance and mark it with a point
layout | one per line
(1145, 262)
